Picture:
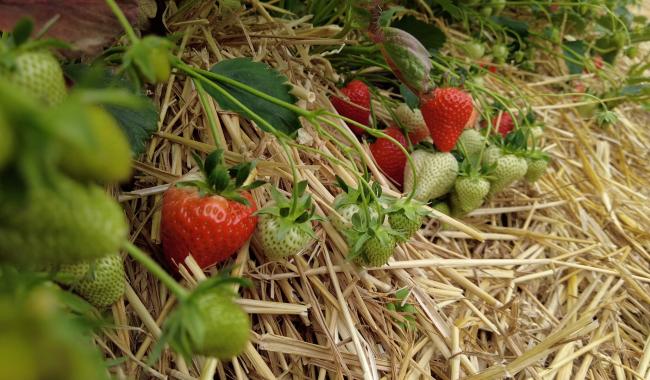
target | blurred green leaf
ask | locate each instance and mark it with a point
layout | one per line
(410, 98)
(137, 123)
(574, 54)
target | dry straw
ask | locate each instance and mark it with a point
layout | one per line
(547, 281)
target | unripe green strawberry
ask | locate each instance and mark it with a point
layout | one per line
(509, 169)
(470, 193)
(226, 324)
(403, 225)
(492, 154)
(101, 282)
(62, 225)
(376, 250)
(536, 132)
(104, 155)
(6, 142)
(38, 74)
(413, 121)
(536, 169)
(344, 222)
(276, 244)
(472, 141)
(436, 173)
(410, 119)
(474, 49)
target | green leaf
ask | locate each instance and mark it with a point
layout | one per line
(22, 31)
(428, 34)
(574, 51)
(387, 15)
(137, 123)
(410, 98)
(515, 26)
(450, 8)
(262, 78)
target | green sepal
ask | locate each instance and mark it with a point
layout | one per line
(221, 180)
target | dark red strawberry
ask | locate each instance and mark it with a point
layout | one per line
(503, 126)
(356, 107)
(209, 219)
(447, 111)
(389, 157)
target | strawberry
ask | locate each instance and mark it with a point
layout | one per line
(492, 154)
(388, 156)
(470, 142)
(284, 228)
(500, 52)
(447, 112)
(474, 49)
(436, 173)
(41, 339)
(509, 168)
(414, 123)
(377, 249)
(357, 105)
(105, 153)
(502, 126)
(469, 193)
(63, 224)
(210, 218)
(37, 73)
(405, 216)
(101, 282)
(403, 225)
(226, 326)
(537, 165)
(345, 212)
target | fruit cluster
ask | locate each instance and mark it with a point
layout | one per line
(456, 165)
(57, 152)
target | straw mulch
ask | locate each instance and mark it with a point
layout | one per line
(546, 281)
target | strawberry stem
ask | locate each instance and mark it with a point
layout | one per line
(180, 292)
(122, 19)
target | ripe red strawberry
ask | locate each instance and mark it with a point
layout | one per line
(389, 157)
(210, 220)
(356, 107)
(502, 126)
(447, 112)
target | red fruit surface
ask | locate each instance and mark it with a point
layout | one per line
(356, 107)
(447, 112)
(389, 157)
(504, 126)
(211, 228)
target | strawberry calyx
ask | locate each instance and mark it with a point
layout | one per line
(299, 211)
(218, 179)
(473, 169)
(359, 235)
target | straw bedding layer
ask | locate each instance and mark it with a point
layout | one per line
(546, 281)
